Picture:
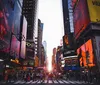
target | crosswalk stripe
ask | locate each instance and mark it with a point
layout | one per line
(60, 81)
(39, 82)
(34, 82)
(50, 81)
(55, 81)
(45, 81)
(71, 82)
(28, 82)
(65, 81)
(78, 82)
(17, 82)
(22, 82)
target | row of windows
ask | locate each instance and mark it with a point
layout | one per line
(27, 11)
(28, 5)
(27, 8)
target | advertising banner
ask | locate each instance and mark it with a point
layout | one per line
(15, 47)
(36, 61)
(71, 61)
(81, 18)
(85, 54)
(28, 63)
(97, 39)
(94, 10)
(17, 19)
(6, 23)
(23, 42)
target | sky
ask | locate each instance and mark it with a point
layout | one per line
(50, 13)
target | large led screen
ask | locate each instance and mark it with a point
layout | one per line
(6, 23)
(17, 18)
(23, 42)
(94, 10)
(71, 61)
(85, 54)
(15, 47)
(81, 17)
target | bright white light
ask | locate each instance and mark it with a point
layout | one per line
(50, 13)
(63, 62)
(1, 60)
(63, 65)
(7, 65)
(49, 64)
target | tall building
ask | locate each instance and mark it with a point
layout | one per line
(39, 40)
(10, 28)
(42, 56)
(45, 48)
(30, 11)
(68, 38)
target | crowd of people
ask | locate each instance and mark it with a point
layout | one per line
(86, 76)
(22, 75)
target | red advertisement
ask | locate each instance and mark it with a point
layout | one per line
(15, 47)
(6, 24)
(81, 18)
(85, 54)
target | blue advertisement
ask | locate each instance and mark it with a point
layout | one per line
(17, 19)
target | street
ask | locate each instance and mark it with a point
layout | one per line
(47, 82)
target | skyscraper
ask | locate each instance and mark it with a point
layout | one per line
(45, 48)
(68, 39)
(39, 39)
(30, 12)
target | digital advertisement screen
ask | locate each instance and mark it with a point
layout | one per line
(85, 54)
(17, 18)
(71, 61)
(81, 18)
(6, 23)
(94, 10)
(23, 42)
(15, 47)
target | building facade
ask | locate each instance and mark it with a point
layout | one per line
(68, 38)
(30, 11)
(39, 40)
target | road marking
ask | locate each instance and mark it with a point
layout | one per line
(55, 81)
(45, 81)
(34, 82)
(60, 81)
(49, 81)
(65, 81)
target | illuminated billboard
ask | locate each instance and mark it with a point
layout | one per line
(15, 47)
(71, 61)
(94, 10)
(23, 41)
(17, 18)
(6, 23)
(85, 54)
(81, 17)
(65, 40)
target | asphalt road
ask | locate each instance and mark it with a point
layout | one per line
(47, 82)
